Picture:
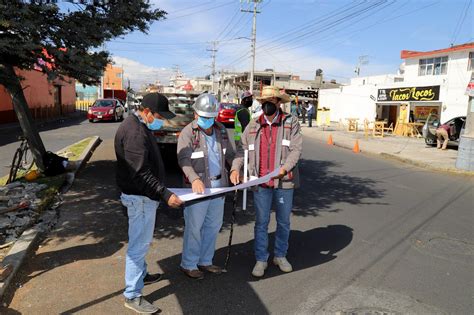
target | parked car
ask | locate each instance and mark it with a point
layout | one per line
(106, 109)
(456, 126)
(227, 113)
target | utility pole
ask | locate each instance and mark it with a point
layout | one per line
(254, 38)
(363, 60)
(465, 158)
(213, 51)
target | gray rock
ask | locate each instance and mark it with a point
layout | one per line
(5, 222)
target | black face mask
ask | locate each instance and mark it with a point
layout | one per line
(269, 108)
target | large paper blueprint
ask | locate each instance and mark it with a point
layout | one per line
(186, 194)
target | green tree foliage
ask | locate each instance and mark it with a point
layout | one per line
(63, 43)
(72, 39)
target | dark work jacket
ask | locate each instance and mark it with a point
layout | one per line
(140, 168)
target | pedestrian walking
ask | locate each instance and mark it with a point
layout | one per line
(203, 150)
(273, 141)
(140, 175)
(242, 115)
(303, 112)
(310, 111)
(442, 135)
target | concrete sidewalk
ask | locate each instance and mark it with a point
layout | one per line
(405, 149)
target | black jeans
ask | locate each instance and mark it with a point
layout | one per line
(310, 120)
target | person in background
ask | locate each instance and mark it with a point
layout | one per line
(310, 111)
(242, 115)
(303, 112)
(203, 150)
(140, 175)
(274, 141)
(442, 135)
(294, 108)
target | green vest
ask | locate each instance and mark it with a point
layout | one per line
(238, 125)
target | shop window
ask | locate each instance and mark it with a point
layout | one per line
(470, 65)
(433, 66)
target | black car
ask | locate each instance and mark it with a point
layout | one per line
(456, 126)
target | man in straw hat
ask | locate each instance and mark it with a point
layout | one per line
(273, 141)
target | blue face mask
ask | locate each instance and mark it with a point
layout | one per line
(155, 125)
(205, 123)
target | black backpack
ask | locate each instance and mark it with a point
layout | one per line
(53, 164)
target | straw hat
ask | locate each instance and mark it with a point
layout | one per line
(272, 91)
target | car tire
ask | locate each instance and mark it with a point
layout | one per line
(121, 117)
(91, 120)
(430, 142)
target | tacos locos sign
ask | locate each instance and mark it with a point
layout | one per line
(424, 93)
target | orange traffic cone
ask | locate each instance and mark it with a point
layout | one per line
(330, 142)
(356, 148)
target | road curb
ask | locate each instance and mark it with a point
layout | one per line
(408, 161)
(16, 256)
(426, 165)
(40, 124)
(22, 247)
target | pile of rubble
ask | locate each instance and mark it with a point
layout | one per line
(19, 210)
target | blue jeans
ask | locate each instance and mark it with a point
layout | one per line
(263, 199)
(141, 223)
(202, 222)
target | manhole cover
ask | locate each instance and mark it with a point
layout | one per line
(367, 311)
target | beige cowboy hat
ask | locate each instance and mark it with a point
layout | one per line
(272, 91)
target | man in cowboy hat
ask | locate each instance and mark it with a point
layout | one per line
(274, 141)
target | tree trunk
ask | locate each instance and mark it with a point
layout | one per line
(10, 80)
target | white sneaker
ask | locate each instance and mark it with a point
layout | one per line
(259, 269)
(283, 263)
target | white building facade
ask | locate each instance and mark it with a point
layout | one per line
(430, 82)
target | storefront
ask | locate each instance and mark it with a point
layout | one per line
(420, 101)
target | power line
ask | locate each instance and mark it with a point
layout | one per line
(191, 7)
(310, 23)
(232, 33)
(213, 51)
(331, 25)
(457, 30)
(199, 11)
(228, 24)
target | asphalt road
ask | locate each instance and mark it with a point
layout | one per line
(367, 235)
(55, 136)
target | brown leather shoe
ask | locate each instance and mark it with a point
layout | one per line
(211, 269)
(194, 274)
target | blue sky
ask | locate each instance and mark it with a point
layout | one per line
(296, 36)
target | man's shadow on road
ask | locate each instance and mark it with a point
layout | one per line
(232, 292)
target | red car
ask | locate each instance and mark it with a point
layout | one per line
(227, 113)
(106, 109)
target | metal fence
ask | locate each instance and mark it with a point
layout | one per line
(83, 106)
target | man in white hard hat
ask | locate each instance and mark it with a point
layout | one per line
(203, 150)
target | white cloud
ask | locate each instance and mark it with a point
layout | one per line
(140, 74)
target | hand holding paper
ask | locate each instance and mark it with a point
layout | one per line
(281, 174)
(198, 186)
(186, 194)
(235, 177)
